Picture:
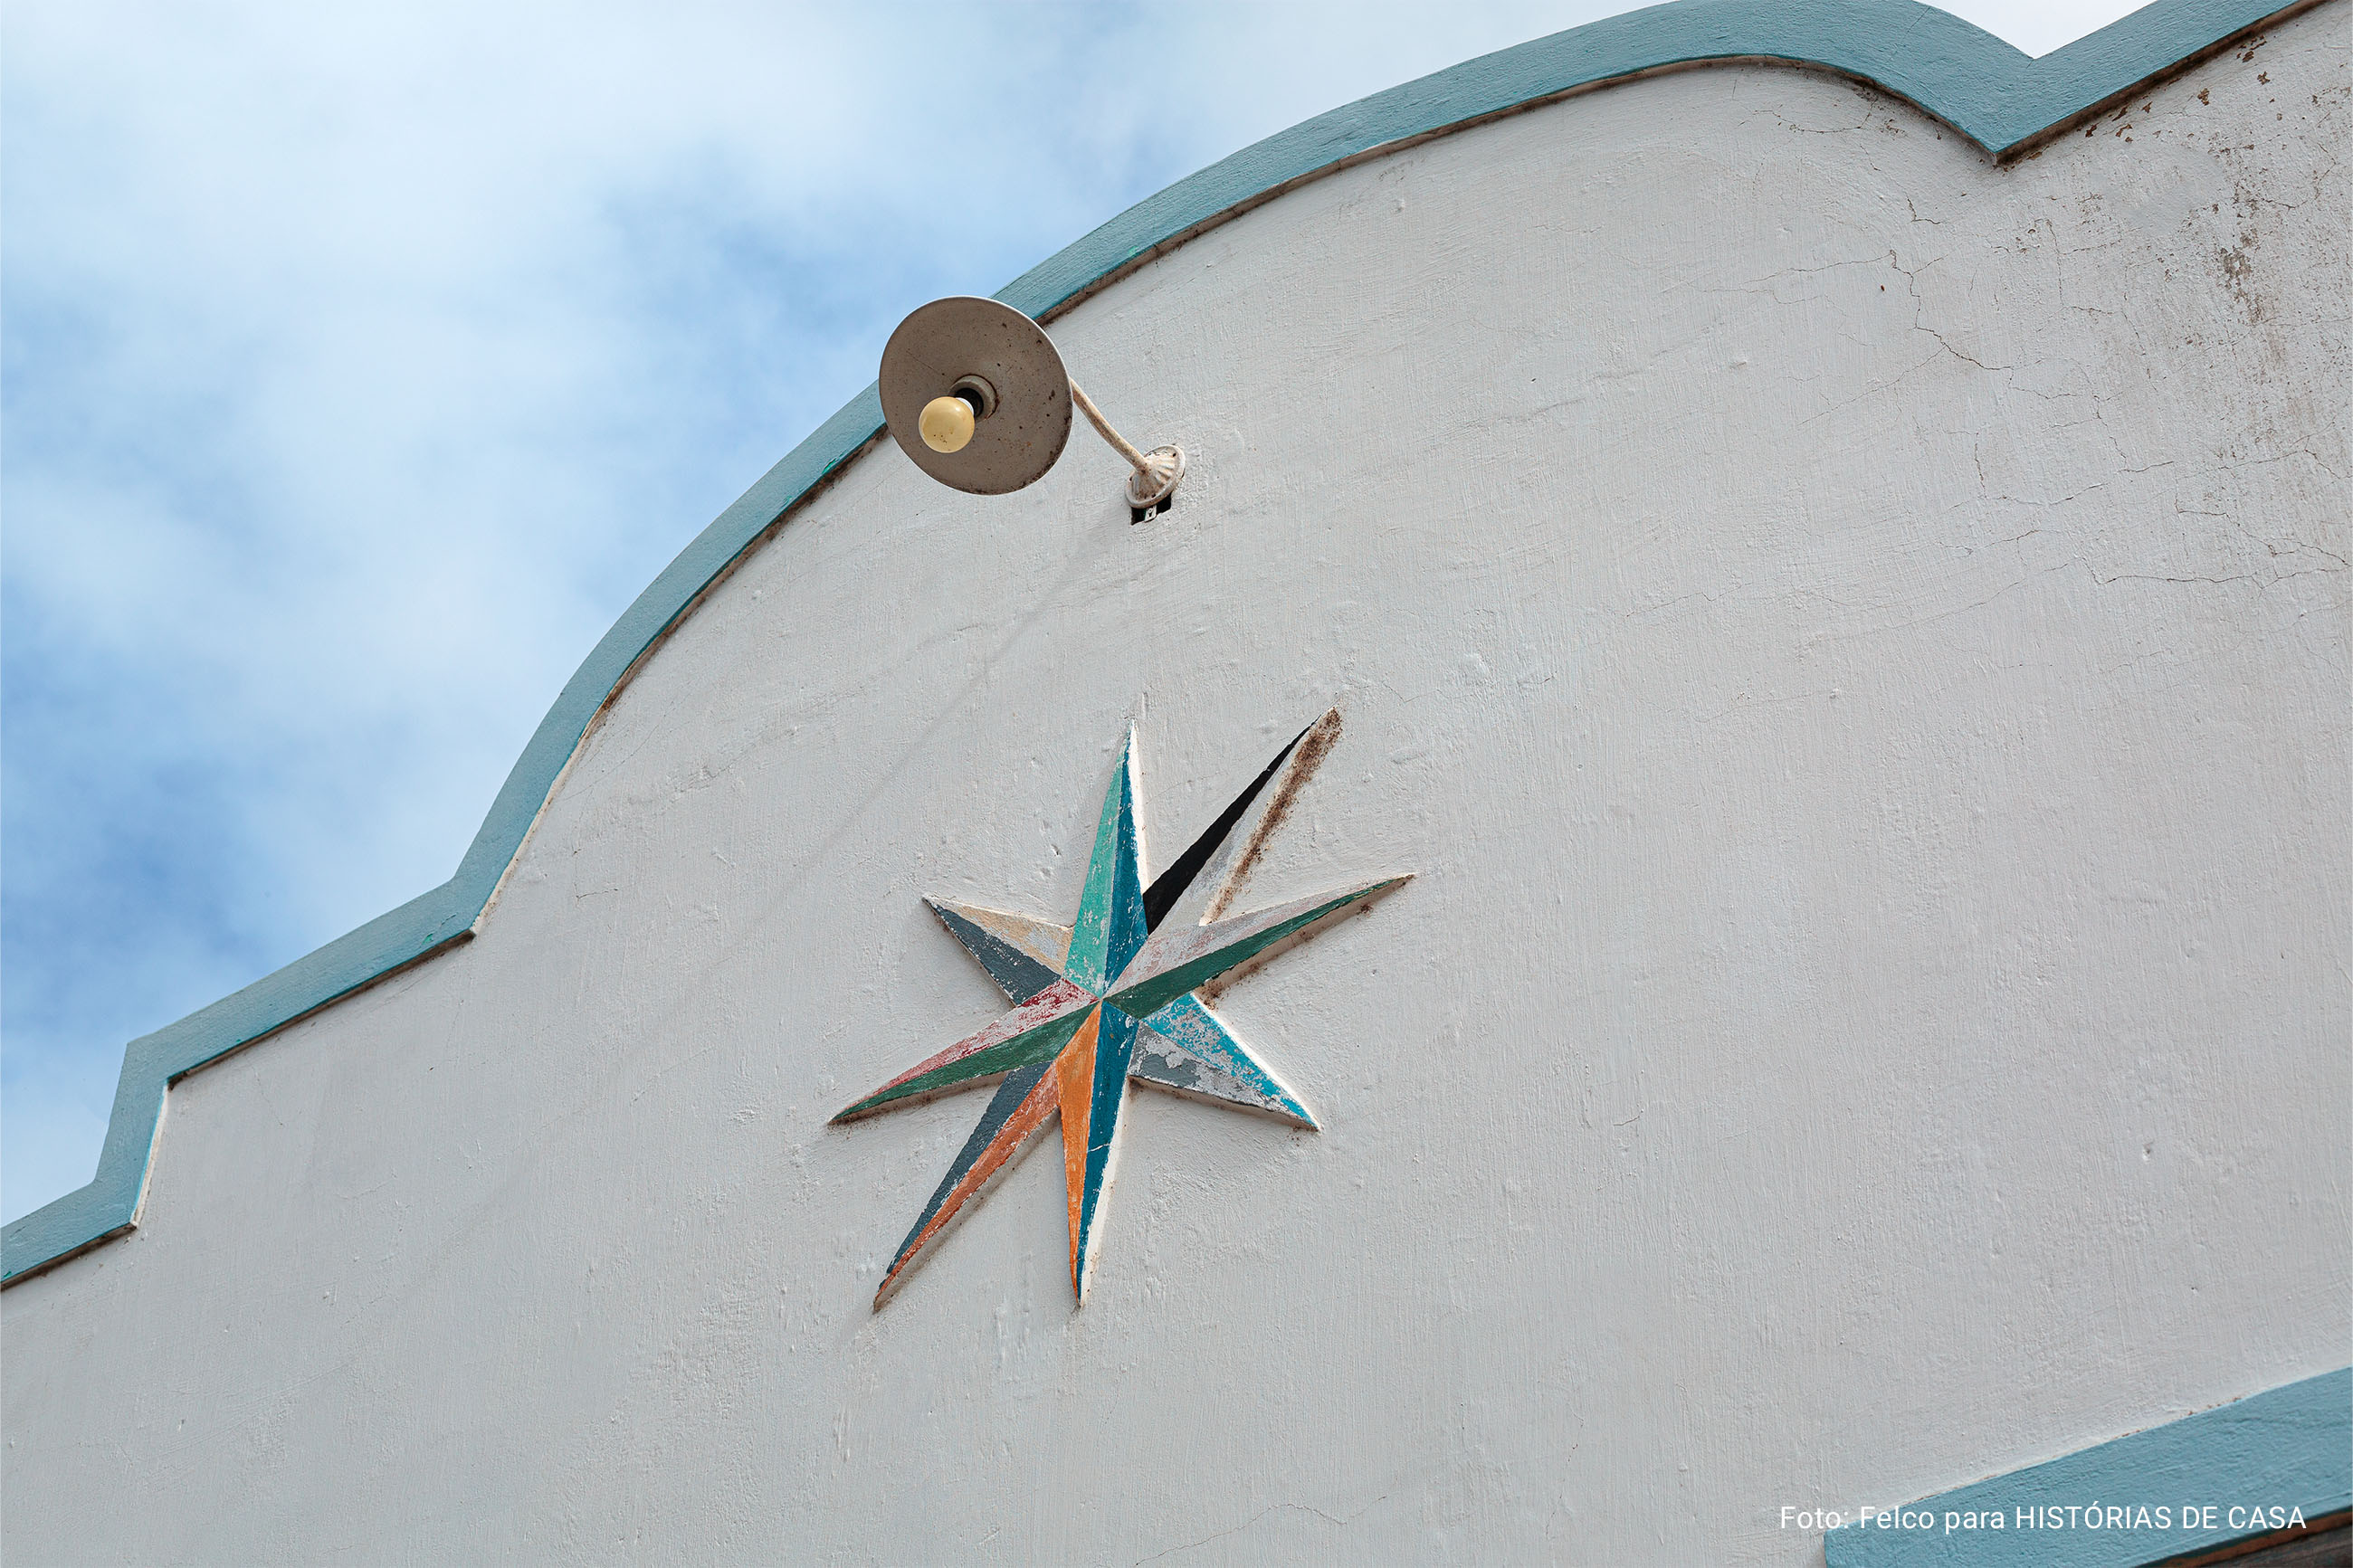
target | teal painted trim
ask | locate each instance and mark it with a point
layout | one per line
(2290, 1448)
(1971, 81)
(1996, 96)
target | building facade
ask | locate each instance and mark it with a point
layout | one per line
(1826, 540)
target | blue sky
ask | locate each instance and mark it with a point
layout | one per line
(359, 365)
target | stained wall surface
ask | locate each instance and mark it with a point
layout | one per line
(1852, 640)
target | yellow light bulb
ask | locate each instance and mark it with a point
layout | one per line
(946, 423)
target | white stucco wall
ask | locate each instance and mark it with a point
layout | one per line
(1852, 641)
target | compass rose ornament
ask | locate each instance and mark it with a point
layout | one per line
(1112, 998)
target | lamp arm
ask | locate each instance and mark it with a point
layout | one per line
(1102, 427)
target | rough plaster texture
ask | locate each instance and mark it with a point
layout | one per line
(1852, 640)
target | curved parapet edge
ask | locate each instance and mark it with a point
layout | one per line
(2001, 99)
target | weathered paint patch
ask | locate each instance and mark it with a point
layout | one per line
(1170, 887)
(1075, 1084)
(1183, 1047)
(1113, 1054)
(1175, 962)
(1024, 1103)
(1024, 956)
(1035, 1031)
(1307, 754)
(1110, 926)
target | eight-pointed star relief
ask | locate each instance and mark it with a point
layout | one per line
(1111, 997)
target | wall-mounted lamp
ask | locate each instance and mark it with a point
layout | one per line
(975, 392)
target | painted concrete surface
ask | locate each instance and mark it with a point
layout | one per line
(1851, 641)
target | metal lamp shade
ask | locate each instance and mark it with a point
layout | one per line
(948, 340)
